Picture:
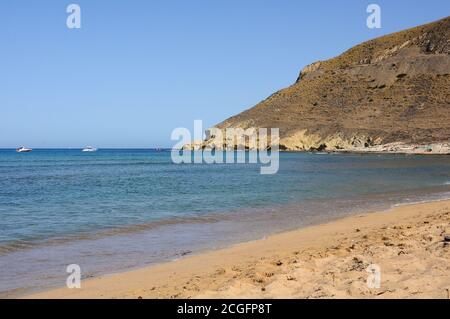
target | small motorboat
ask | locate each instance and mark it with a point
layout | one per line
(23, 150)
(89, 149)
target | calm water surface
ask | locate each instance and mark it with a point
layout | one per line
(114, 210)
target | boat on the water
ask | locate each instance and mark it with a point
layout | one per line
(23, 150)
(89, 149)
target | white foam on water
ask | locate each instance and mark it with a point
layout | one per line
(441, 198)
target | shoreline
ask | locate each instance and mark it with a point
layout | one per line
(327, 260)
(401, 148)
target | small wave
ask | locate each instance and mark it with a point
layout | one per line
(24, 244)
(425, 201)
(447, 183)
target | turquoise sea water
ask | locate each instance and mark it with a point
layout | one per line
(118, 209)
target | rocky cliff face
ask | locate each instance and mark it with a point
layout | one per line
(393, 90)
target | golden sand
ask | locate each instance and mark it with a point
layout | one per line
(324, 261)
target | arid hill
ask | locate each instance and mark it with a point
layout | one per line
(390, 93)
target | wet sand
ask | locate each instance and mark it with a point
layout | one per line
(323, 261)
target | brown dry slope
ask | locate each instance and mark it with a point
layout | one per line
(395, 88)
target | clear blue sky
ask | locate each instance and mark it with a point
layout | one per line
(138, 69)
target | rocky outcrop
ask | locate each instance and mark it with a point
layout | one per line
(309, 71)
(390, 93)
(399, 147)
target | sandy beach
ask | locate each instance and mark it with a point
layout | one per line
(323, 261)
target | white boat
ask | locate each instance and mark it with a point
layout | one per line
(89, 149)
(23, 150)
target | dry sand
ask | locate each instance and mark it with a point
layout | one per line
(323, 261)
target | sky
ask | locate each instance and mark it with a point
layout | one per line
(136, 70)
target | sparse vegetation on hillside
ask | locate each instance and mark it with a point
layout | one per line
(391, 89)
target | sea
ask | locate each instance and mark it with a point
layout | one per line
(120, 209)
